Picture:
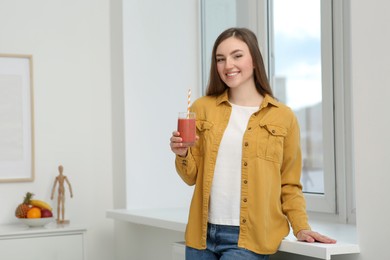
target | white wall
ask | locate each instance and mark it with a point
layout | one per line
(371, 94)
(69, 41)
(161, 62)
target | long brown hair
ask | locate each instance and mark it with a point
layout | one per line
(216, 86)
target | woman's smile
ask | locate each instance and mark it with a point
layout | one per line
(234, 63)
(231, 75)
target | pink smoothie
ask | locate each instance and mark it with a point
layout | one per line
(187, 130)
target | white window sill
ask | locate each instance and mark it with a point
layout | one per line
(176, 219)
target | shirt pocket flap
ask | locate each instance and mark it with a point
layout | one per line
(203, 125)
(275, 130)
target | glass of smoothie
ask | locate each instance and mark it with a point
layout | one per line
(187, 128)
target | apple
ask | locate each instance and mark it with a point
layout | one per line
(45, 213)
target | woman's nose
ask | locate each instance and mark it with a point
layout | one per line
(229, 63)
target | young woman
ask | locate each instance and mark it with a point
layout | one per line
(246, 163)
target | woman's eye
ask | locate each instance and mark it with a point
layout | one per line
(238, 56)
(220, 59)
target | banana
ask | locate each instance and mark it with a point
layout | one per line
(41, 204)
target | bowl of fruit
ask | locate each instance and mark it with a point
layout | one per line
(34, 213)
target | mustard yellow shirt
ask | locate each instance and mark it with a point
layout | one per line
(271, 192)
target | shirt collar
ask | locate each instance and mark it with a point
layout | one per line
(223, 97)
(266, 101)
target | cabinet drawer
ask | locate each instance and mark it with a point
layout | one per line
(64, 247)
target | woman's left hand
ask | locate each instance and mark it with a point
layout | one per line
(312, 236)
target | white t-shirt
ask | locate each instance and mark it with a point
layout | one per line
(226, 187)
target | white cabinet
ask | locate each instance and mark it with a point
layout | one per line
(52, 242)
(178, 251)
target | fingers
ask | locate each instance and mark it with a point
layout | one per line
(303, 235)
(177, 145)
(323, 239)
(175, 140)
(175, 133)
(311, 236)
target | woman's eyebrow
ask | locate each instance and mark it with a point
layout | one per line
(233, 52)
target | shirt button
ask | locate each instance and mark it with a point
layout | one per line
(246, 144)
(245, 164)
(245, 200)
(249, 128)
(273, 131)
(244, 220)
(245, 181)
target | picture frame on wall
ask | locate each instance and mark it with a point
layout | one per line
(16, 118)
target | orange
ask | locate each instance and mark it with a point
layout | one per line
(34, 212)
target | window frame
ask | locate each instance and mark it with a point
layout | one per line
(338, 201)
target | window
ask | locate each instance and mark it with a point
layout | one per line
(302, 42)
(301, 76)
(308, 69)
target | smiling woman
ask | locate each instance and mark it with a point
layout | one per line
(235, 185)
(234, 63)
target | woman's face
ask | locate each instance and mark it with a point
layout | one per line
(234, 63)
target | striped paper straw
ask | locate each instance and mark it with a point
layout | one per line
(188, 103)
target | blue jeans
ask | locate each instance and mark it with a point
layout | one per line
(222, 244)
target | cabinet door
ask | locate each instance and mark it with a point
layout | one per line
(65, 247)
(178, 251)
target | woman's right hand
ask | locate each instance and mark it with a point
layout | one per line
(177, 145)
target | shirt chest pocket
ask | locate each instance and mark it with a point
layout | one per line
(203, 130)
(270, 142)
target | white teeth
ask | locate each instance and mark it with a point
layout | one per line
(231, 74)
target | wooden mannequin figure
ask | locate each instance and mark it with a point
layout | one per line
(61, 179)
